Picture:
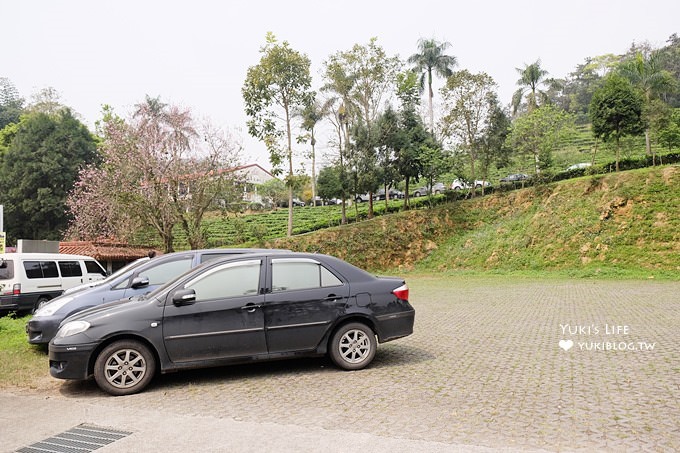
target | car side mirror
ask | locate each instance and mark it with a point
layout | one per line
(139, 282)
(184, 297)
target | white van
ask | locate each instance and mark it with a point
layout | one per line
(29, 280)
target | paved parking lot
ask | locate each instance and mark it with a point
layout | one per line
(494, 362)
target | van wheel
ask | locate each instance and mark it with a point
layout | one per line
(41, 302)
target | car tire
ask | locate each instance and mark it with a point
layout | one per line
(437, 192)
(353, 346)
(417, 194)
(40, 302)
(111, 375)
(477, 186)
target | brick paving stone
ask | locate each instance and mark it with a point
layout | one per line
(483, 367)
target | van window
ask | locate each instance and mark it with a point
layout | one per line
(70, 269)
(41, 269)
(94, 268)
(6, 269)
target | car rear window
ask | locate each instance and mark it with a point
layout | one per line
(41, 269)
(6, 269)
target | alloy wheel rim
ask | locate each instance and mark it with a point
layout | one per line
(354, 346)
(125, 368)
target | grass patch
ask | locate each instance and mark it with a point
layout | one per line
(21, 364)
(613, 226)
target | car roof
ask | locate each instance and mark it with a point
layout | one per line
(346, 269)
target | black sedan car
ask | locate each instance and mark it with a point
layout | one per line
(136, 279)
(234, 310)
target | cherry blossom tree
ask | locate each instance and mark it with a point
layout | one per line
(160, 169)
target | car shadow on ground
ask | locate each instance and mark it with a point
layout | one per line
(391, 355)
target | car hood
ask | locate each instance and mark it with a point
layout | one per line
(108, 309)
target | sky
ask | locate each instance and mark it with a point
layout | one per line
(196, 53)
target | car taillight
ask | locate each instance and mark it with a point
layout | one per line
(401, 292)
(16, 289)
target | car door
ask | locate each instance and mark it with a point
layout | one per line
(225, 319)
(71, 273)
(303, 301)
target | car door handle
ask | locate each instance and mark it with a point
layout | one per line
(332, 297)
(250, 308)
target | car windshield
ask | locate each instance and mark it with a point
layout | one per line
(125, 269)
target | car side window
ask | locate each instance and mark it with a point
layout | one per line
(41, 269)
(70, 269)
(227, 280)
(291, 274)
(94, 268)
(164, 272)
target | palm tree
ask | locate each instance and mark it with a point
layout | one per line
(531, 77)
(431, 58)
(646, 73)
(311, 114)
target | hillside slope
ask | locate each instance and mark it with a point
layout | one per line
(617, 224)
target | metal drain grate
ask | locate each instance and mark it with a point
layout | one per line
(81, 439)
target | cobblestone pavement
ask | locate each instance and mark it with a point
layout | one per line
(494, 362)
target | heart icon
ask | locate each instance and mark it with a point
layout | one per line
(566, 344)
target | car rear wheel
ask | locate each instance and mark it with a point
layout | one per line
(124, 367)
(42, 301)
(353, 346)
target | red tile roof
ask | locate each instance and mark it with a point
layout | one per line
(105, 251)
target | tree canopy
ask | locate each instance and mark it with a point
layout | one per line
(38, 168)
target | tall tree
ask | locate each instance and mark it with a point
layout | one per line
(38, 169)
(372, 74)
(412, 135)
(669, 130)
(538, 132)
(532, 76)
(616, 111)
(647, 74)
(160, 170)
(338, 84)
(274, 88)
(312, 113)
(431, 58)
(11, 104)
(469, 100)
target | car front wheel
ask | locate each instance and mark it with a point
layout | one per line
(353, 346)
(124, 367)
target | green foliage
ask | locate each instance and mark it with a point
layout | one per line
(616, 110)
(11, 104)
(329, 184)
(431, 58)
(274, 88)
(37, 171)
(469, 102)
(532, 76)
(538, 132)
(669, 130)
